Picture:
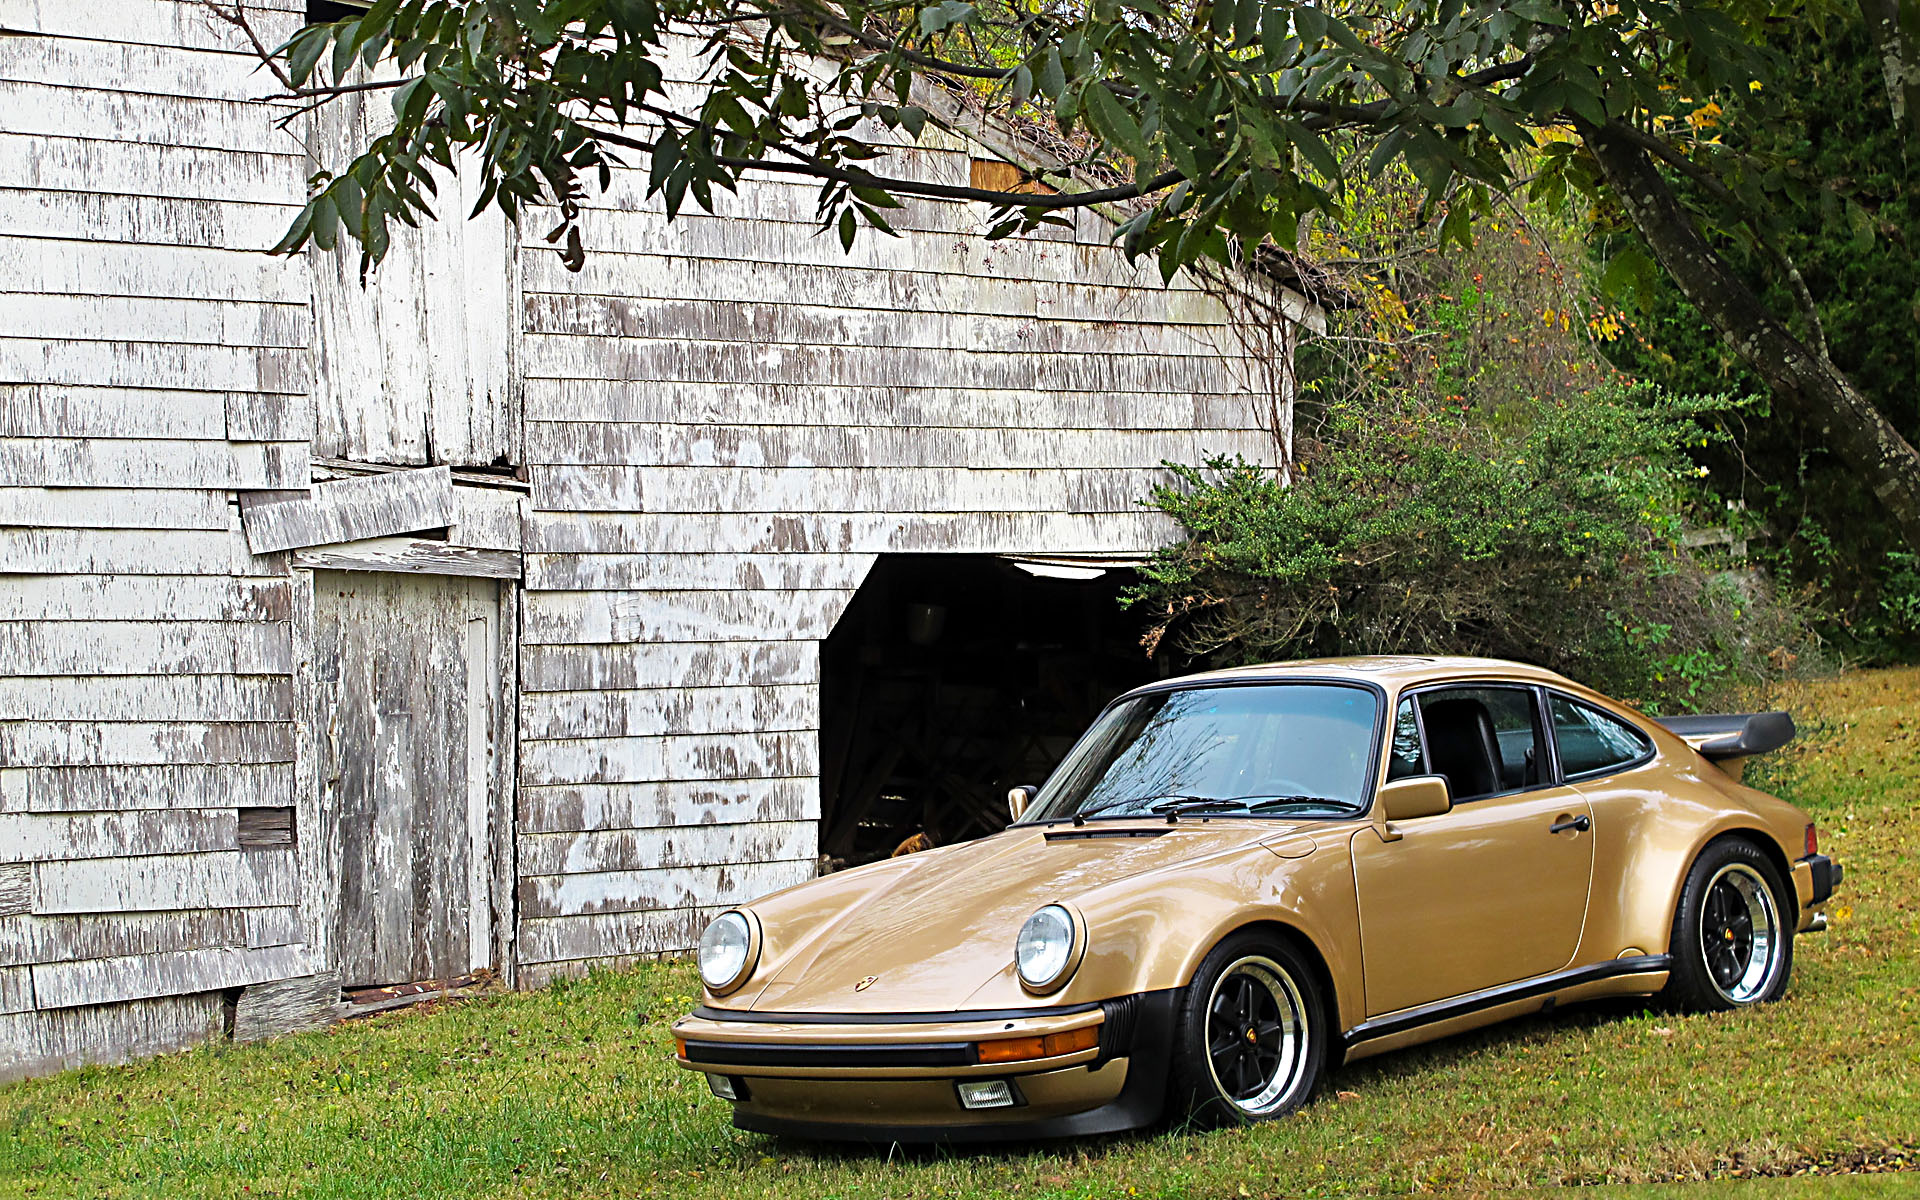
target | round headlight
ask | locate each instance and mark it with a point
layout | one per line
(1047, 949)
(727, 951)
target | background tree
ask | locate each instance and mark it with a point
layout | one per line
(1857, 244)
(1219, 117)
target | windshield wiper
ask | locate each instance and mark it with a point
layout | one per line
(1274, 802)
(1174, 806)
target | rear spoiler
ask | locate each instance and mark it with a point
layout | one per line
(1720, 736)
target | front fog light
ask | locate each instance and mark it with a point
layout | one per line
(726, 1087)
(986, 1093)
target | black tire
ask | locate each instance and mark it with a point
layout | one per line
(1732, 939)
(1254, 1070)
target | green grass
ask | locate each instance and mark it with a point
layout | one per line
(569, 1092)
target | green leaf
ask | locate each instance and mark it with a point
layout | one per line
(1113, 120)
(848, 227)
(1317, 153)
(1053, 77)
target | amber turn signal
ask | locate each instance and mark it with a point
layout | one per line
(680, 1047)
(1021, 1049)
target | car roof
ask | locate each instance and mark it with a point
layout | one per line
(1391, 671)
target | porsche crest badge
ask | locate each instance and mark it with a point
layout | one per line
(866, 983)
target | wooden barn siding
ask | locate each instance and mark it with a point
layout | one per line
(726, 420)
(152, 362)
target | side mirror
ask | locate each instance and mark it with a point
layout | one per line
(1418, 796)
(1018, 798)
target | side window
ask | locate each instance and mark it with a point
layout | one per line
(1590, 741)
(1403, 757)
(1483, 739)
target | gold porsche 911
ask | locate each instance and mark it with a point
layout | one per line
(1236, 881)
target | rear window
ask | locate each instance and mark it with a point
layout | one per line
(1592, 742)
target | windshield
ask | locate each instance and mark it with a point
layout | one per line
(1288, 749)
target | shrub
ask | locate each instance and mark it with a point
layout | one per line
(1551, 532)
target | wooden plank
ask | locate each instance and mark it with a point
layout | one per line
(259, 827)
(80, 267)
(657, 759)
(224, 879)
(180, 23)
(16, 989)
(951, 290)
(13, 790)
(703, 421)
(273, 926)
(145, 647)
(40, 837)
(412, 556)
(29, 939)
(49, 111)
(679, 802)
(57, 361)
(704, 616)
(696, 572)
(181, 972)
(405, 677)
(347, 510)
(143, 220)
(142, 598)
(186, 322)
(160, 786)
(113, 508)
(652, 891)
(837, 444)
(37, 1043)
(640, 665)
(814, 533)
(613, 935)
(550, 357)
(675, 846)
(420, 368)
(944, 489)
(152, 463)
(130, 552)
(547, 715)
(16, 889)
(803, 324)
(134, 743)
(318, 851)
(34, 410)
(486, 518)
(146, 697)
(77, 164)
(269, 417)
(285, 1006)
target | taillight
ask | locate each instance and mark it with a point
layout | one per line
(1813, 840)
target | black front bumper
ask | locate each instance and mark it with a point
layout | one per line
(1138, 1028)
(1826, 875)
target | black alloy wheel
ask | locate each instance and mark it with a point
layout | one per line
(1732, 941)
(1251, 1037)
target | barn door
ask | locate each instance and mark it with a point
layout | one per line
(409, 696)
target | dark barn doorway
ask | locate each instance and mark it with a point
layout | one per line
(951, 678)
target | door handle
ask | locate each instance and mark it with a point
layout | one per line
(1579, 824)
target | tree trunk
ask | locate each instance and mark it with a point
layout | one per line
(1848, 422)
(1892, 25)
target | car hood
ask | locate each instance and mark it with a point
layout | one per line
(935, 928)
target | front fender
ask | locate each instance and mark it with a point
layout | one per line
(1150, 933)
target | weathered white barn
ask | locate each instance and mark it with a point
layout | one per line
(480, 620)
